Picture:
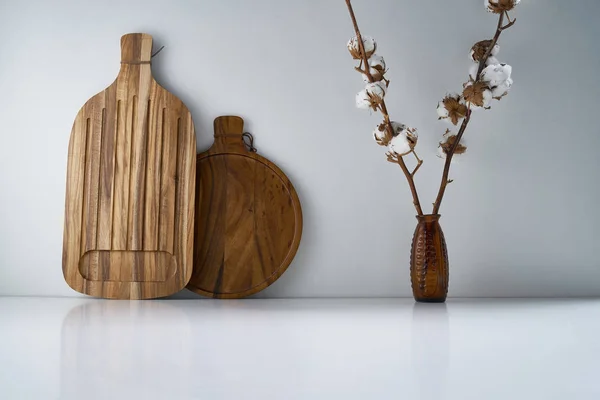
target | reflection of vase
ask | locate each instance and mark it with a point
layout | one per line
(429, 261)
(430, 350)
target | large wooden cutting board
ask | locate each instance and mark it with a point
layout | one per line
(129, 210)
(248, 218)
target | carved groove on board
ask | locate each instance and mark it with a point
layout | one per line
(99, 176)
(115, 142)
(177, 186)
(159, 192)
(99, 265)
(146, 173)
(129, 208)
(85, 183)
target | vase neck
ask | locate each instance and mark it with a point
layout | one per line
(428, 218)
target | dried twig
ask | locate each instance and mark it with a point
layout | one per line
(382, 107)
(450, 154)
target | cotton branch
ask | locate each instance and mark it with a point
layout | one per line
(382, 107)
(499, 29)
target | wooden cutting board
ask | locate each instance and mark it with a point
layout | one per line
(248, 218)
(130, 186)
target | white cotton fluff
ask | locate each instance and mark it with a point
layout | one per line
(376, 89)
(496, 74)
(377, 62)
(368, 43)
(397, 127)
(493, 53)
(378, 134)
(487, 99)
(441, 154)
(502, 89)
(400, 145)
(442, 112)
(473, 70)
(495, 50)
(456, 157)
(491, 60)
(490, 3)
(373, 72)
(362, 100)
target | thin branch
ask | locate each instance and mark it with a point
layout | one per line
(463, 127)
(383, 108)
(419, 163)
(416, 168)
(508, 25)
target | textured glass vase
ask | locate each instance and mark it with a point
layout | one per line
(429, 261)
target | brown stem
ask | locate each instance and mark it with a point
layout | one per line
(383, 109)
(489, 50)
(463, 127)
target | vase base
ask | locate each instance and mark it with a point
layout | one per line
(431, 300)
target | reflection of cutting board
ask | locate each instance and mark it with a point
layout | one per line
(248, 218)
(130, 186)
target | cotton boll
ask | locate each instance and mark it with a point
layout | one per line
(473, 71)
(397, 127)
(362, 100)
(477, 95)
(376, 74)
(380, 134)
(442, 112)
(371, 96)
(377, 62)
(442, 154)
(500, 6)
(496, 74)
(502, 89)
(507, 70)
(369, 45)
(404, 140)
(446, 144)
(495, 50)
(487, 99)
(376, 89)
(479, 50)
(376, 67)
(452, 108)
(491, 60)
(412, 136)
(400, 145)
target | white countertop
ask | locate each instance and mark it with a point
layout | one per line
(484, 349)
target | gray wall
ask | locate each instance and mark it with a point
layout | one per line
(520, 219)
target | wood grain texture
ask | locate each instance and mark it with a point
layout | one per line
(429, 268)
(248, 218)
(130, 186)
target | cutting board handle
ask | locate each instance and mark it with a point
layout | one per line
(136, 48)
(228, 134)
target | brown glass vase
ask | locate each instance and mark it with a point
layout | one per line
(429, 261)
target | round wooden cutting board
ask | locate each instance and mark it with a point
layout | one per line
(248, 218)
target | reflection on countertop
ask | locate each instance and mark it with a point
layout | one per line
(81, 348)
